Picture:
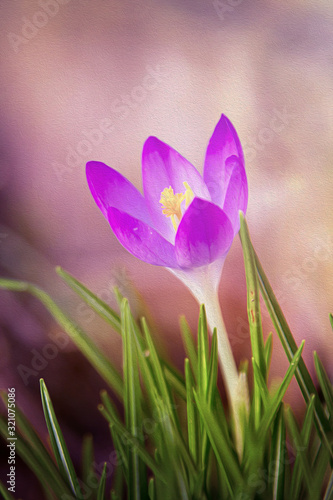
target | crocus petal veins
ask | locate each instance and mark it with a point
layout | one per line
(182, 224)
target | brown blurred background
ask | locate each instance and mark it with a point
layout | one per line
(87, 80)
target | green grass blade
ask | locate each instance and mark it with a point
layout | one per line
(331, 320)
(329, 490)
(98, 305)
(225, 456)
(88, 473)
(80, 339)
(261, 383)
(296, 481)
(57, 441)
(132, 442)
(189, 345)
(32, 460)
(28, 433)
(277, 398)
(253, 303)
(325, 384)
(132, 402)
(203, 354)
(212, 370)
(302, 374)
(277, 457)
(301, 453)
(268, 352)
(5, 493)
(151, 489)
(101, 486)
(175, 380)
(192, 421)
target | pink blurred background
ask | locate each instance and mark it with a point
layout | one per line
(92, 80)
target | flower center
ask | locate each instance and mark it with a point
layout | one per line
(171, 203)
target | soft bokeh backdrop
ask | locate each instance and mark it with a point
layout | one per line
(87, 80)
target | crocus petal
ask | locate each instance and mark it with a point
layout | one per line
(204, 234)
(237, 192)
(141, 240)
(223, 143)
(111, 189)
(163, 167)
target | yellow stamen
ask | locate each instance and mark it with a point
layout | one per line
(189, 195)
(171, 203)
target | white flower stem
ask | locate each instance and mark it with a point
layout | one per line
(203, 283)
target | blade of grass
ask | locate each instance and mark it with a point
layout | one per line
(225, 456)
(254, 313)
(277, 457)
(98, 305)
(329, 490)
(300, 448)
(189, 345)
(325, 384)
(268, 352)
(88, 473)
(192, 422)
(132, 403)
(277, 398)
(80, 339)
(57, 441)
(175, 380)
(302, 374)
(28, 433)
(101, 486)
(132, 442)
(28, 455)
(296, 481)
(5, 493)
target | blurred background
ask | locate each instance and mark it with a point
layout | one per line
(86, 81)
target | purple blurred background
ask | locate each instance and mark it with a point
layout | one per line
(86, 81)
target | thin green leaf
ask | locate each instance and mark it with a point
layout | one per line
(189, 345)
(98, 305)
(192, 424)
(212, 370)
(5, 493)
(325, 384)
(268, 352)
(329, 490)
(302, 374)
(203, 354)
(300, 450)
(132, 442)
(88, 473)
(297, 478)
(28, 455)
(175, 380)
(151, 489)
(277, 398)
(132, 402)
(80, 339)
(27, 432)
(253, 302)
(278, 457)
(57, 441)
(261, 383)
(101, 486)
(225, 456)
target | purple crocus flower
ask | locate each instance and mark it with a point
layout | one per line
(183, 221)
